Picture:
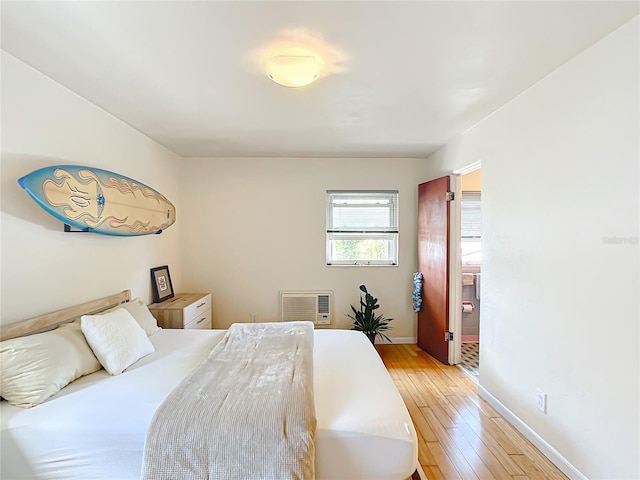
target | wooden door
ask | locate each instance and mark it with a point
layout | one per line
(433, 263)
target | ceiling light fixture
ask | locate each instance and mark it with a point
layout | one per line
(294, 69)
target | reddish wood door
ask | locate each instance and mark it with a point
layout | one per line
(433, 263)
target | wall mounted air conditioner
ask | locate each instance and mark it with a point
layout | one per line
(313, 306)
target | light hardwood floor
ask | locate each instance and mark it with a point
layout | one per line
(460, 436)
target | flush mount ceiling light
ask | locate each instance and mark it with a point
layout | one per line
(296, 57)
(294, 67)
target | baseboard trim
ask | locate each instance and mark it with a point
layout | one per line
(398, 340)
(551, 453)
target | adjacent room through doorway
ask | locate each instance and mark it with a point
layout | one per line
(471, 269)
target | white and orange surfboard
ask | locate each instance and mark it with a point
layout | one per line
(94, 200)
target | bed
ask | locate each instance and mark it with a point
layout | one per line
(95, 427)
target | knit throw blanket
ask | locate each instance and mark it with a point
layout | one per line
(246, 412)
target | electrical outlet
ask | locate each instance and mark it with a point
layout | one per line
(541, 400)
(254, 317)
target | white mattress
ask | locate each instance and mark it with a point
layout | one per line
(95, 427)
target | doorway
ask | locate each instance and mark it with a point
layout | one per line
(470, 265)
(440, 260)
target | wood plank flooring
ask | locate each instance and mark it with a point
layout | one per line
(460, 436)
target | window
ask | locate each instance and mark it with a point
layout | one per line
(471, 228)
(362, 227)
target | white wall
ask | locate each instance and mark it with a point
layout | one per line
(471, 181)
(559, 301)
(43, 268)
(257, 226)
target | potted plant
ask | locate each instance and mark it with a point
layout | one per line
(365, 320)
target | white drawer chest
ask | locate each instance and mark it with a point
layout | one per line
(184, 310)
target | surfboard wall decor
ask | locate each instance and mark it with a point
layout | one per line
(94, 200)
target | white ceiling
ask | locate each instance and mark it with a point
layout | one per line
(407, 76)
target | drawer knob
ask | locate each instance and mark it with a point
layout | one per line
(202, 319)
(202, 304)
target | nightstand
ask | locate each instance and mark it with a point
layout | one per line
(184, 310)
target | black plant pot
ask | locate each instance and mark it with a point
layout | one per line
(371, 337)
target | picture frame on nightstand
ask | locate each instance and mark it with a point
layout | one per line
(161, 284)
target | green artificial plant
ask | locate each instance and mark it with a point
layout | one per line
(365, 320)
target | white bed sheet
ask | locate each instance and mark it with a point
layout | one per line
(95, 427)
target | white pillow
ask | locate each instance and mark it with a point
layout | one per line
(116, 339)
(37, 366)
(139, 311)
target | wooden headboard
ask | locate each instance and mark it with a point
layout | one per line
(31, 325)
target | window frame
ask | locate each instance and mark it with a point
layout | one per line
(390, 232)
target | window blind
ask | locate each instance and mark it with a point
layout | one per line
(354, 211)
(471, 215)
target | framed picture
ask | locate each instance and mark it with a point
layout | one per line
(161, 283)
